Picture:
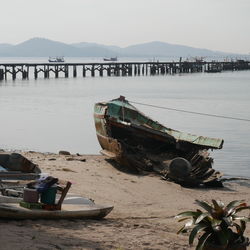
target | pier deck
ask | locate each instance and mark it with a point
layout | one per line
(46, 70)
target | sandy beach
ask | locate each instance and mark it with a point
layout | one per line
(143, 215)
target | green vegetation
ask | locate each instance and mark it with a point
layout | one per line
(218, 225)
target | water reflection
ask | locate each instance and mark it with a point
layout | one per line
(52, 114)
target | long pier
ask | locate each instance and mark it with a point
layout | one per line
(46, 70)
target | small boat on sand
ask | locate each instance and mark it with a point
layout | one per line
(72, 208)
(18, 175)
(15, 165)
(14, 204)
(139, 143)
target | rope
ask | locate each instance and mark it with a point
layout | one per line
(192, 112)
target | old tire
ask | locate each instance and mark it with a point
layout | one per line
(180, 168)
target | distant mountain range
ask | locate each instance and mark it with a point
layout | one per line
(41, 47)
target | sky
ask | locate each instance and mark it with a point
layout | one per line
(221, 25)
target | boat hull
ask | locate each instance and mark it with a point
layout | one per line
(69, 211)
(73, 207)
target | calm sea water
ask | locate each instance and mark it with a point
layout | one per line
(49, 115)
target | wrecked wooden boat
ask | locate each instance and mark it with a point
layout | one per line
(137, 142)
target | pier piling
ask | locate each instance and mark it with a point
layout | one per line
(1, 74)
(74, 71)
(93, 71)
(83, 71)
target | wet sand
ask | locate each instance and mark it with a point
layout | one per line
(144, 207)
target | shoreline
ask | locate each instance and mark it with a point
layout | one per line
(23, 151)
(144, 207)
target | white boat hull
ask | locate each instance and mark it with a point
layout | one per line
(85, 209)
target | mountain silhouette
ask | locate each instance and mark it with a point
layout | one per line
(41, 47)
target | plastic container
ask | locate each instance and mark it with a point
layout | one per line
(49, 196)
(30, 195)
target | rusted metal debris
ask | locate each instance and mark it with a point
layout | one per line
(137, 142)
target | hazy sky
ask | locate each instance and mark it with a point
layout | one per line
(213, 24)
